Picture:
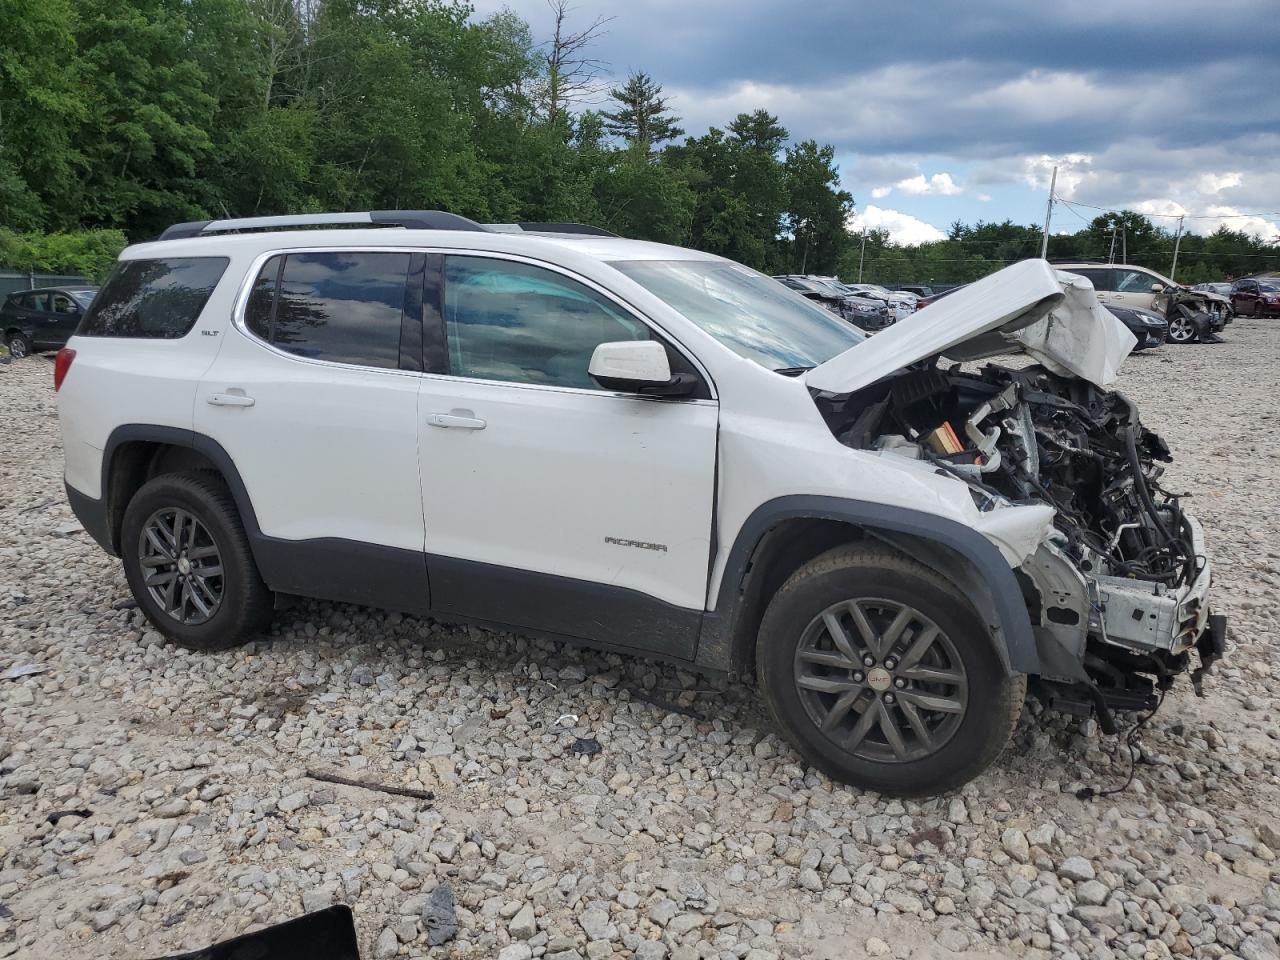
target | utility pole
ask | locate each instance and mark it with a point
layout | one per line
(1177, 242)
(1048, 214)
(863, 254)
(1111, 254)
(1124, 243)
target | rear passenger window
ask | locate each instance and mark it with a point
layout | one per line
(340, 307)
(158, 299)
(1100, 278)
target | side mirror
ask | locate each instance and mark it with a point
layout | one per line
(1157, 288)
(637, 366)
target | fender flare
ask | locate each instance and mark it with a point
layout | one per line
(959, 552)
(191, 440)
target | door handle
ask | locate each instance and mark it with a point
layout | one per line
(451, 420)
(230, 400)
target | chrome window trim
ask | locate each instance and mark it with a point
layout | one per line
(241, 302)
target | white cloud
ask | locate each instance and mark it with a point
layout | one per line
(902, 227)
(1217, 182)
(879, 193)
(940, 183)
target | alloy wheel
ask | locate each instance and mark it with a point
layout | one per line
(17, 348)
(1181, 329)
(881, 680)
(181, 566)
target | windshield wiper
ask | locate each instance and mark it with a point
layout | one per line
(792, 371)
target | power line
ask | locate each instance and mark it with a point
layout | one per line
(1172, 216)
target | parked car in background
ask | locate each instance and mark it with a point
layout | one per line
(42, 319)
(873, 314)
(1256, 298)
(1221, 288)
(1193, 315)
(1150, 328)
(863, 312)
(902, 305)
(925, 293)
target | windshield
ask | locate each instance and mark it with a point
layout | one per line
(1266, 287)
(83, 297)
(753, 315)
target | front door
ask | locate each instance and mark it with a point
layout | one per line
(1134, 289)
(552, 504)
(60, 322)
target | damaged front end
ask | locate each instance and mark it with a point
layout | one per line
(1117, 591)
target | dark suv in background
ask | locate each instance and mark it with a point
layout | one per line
(43, 319)
(1252, 297)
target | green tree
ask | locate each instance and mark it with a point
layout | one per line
(739, 185)
(817, 209)
(642, 118)
(41, 105)
(148, 117)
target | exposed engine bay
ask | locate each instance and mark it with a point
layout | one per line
(1120, 589)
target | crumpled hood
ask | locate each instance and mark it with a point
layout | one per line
(1055, 317)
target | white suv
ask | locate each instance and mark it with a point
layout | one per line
(647, 448)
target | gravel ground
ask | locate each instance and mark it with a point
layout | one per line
(573, 817)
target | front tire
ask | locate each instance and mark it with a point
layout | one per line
(1183, 329)
(189, 565)
(883, 676)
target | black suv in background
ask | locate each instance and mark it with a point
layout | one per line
(42, 319)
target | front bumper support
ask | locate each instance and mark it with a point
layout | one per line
(1212, 647)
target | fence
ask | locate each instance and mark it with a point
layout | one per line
(11, 280)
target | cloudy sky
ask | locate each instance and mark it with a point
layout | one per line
(942, 110)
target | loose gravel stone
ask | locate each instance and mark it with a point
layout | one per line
(690, 834)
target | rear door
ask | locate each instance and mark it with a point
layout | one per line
(314, 397)
(1102, 278)
(551, 503)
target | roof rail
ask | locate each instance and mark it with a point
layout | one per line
(409, 219)
(582, 229)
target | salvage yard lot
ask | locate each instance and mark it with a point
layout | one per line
(590, 805)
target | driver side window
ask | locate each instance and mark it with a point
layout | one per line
(512, 321)
(1134, 281)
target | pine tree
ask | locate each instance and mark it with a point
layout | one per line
(642, 118)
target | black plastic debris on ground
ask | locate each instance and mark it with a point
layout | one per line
(440, 916)
(586, 745)
(328, 934)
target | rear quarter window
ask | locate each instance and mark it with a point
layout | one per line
(153, 299)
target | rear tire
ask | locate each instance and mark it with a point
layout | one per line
(911, 700)
(19, 345)
(189, 565)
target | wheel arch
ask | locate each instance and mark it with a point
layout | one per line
(135, 453)
(782, 534)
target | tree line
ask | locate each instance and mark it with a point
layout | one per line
(971, 252)
(131, 115)
(120, 117)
